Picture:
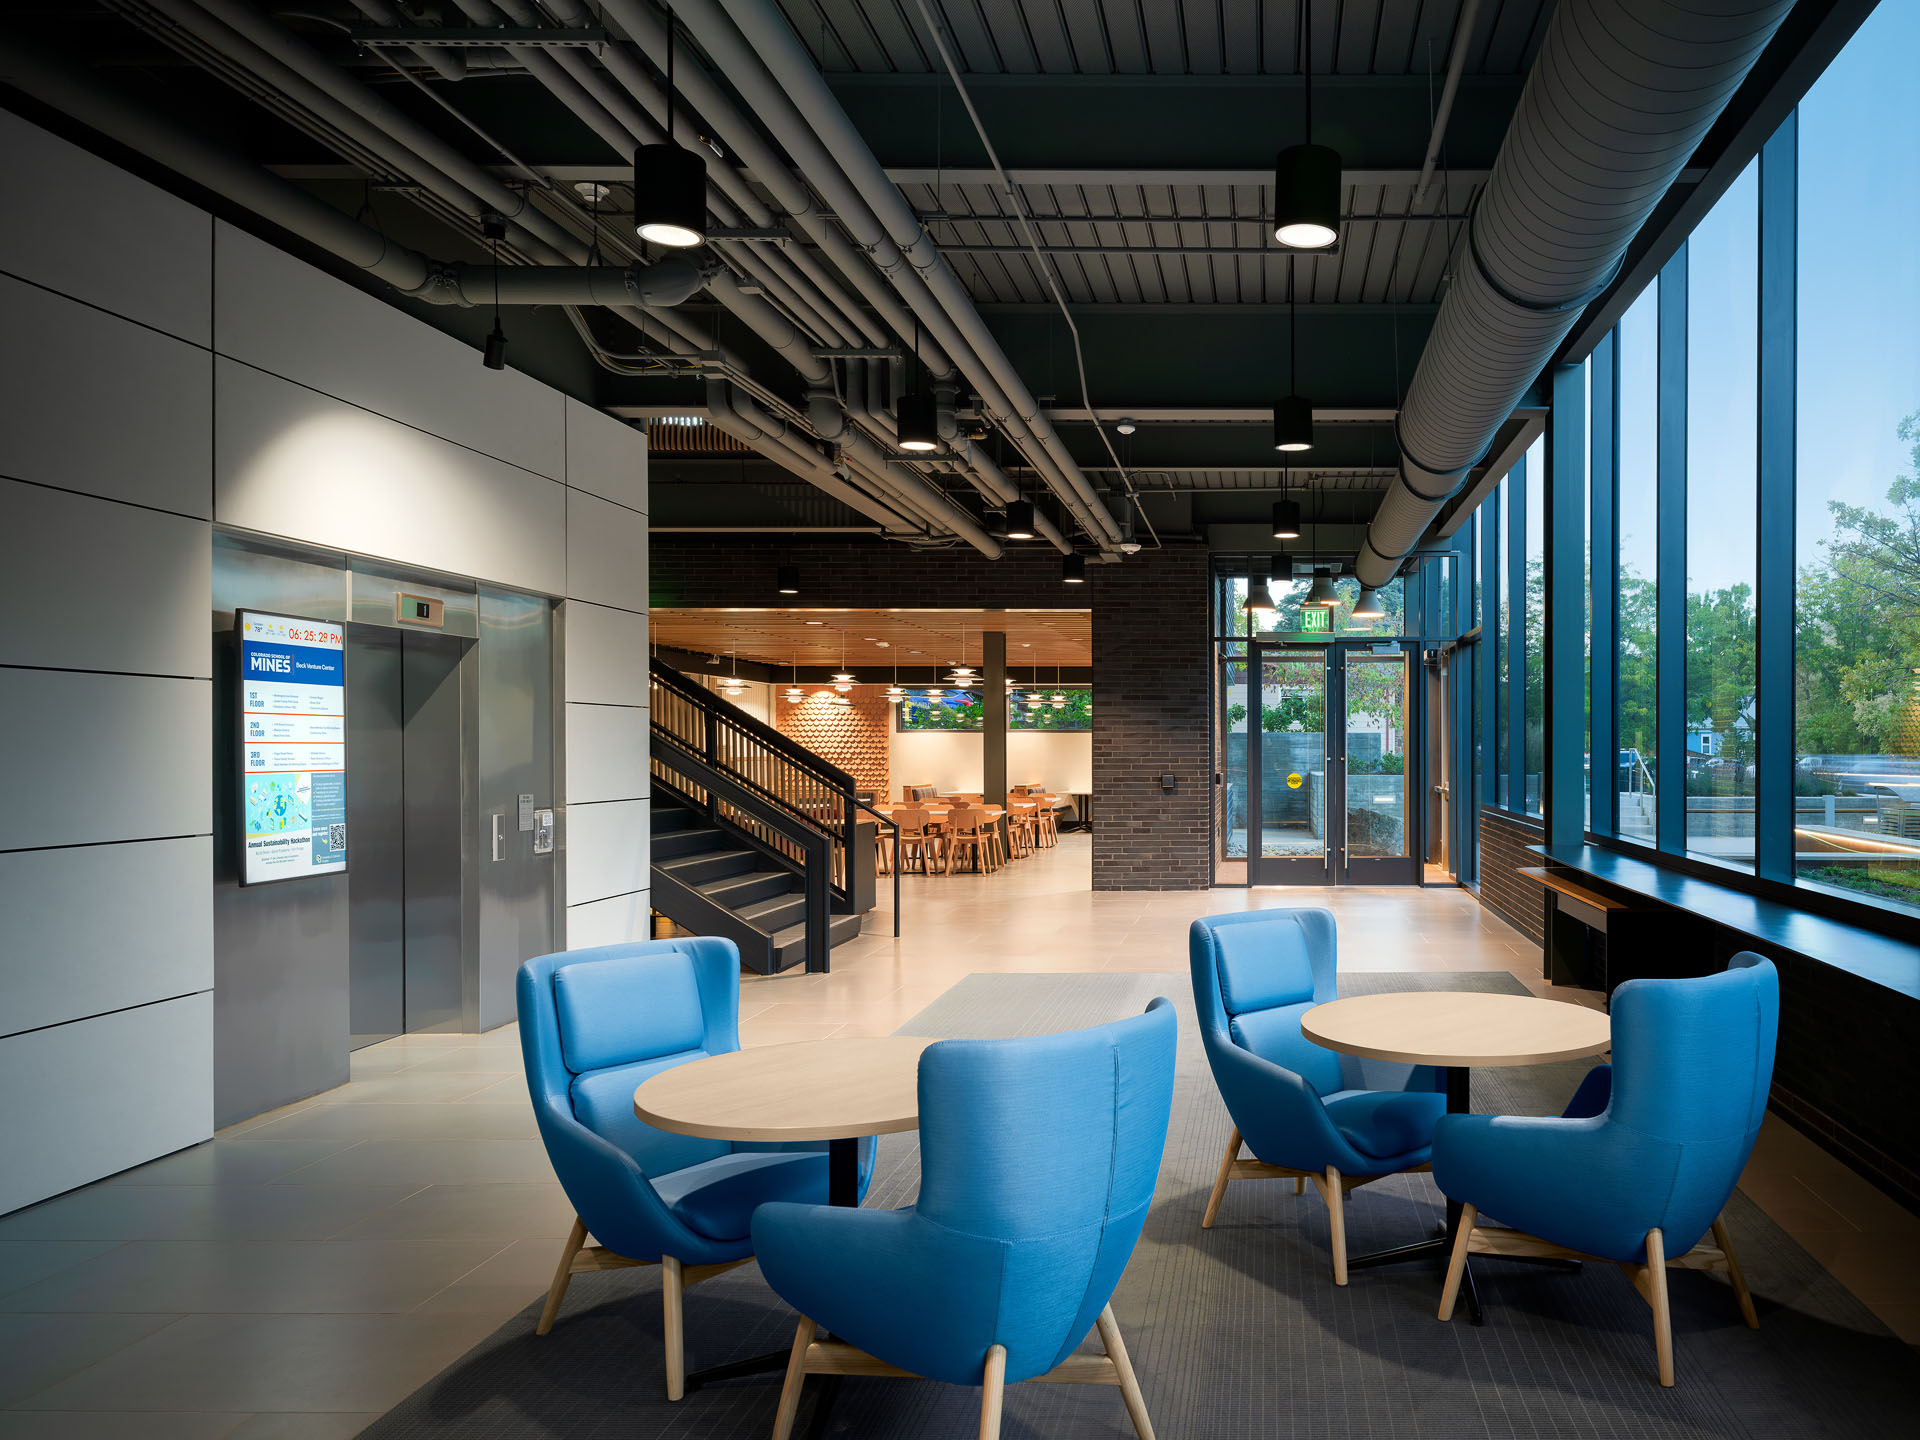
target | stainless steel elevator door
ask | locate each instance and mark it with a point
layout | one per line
(405, 764)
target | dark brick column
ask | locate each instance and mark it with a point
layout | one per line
(1151, 673)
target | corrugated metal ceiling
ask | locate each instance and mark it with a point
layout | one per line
(1168, 37)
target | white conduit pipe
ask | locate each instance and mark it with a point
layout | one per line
(748, 423)
(1456, 63)
(991, 480)
(1621, 95)
(767, 30)
(911, 487)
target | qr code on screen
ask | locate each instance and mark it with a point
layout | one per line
(336, 837)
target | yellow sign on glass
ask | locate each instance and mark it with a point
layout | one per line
(1295, 780)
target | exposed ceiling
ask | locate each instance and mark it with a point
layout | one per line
(873, 641)
(1139, 136)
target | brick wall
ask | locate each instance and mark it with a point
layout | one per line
(1513, 897)
(872, 575)
(855, 737)
(1151, 679)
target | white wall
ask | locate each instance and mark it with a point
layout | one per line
(951, 760)
(148, 391)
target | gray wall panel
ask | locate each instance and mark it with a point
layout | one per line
(93, 403)
(88, 584)
(96, 928)
(607, 849)
(606, 456)
(606, 552)
(607, 922)
(606, 655)
(71, 218)
(607, 753)
(91, 758)
(389, 490)
(88, 1099)
(282, 315)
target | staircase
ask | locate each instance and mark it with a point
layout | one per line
(703, 873)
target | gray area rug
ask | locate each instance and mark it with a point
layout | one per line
(1240, 1331)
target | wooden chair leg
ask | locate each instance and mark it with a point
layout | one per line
(1220, 1180)
(1129, 1382)
(1657, 1297)
(1337, 1214)
(803, 1334)
(1457, 1262)
(1736, 1275)
(673, 1307)
(992, 1392)
(557, 1291)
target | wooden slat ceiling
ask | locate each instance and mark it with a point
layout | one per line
(870, 638)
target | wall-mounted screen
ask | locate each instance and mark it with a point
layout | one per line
(293, 746)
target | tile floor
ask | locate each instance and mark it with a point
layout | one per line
(304, 1270)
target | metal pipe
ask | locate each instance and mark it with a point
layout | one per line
(748, 423)
(447, 63)
(1619, 98)
(991, 480)
(1456, 63)
(860, 450)
(944, 302)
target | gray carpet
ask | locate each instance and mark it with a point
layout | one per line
(1240, 1331)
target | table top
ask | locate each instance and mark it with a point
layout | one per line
(1458, 1027)
(808, 1090)
(937, 811)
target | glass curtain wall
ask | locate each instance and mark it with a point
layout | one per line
(1636, 635)
(1857, 503)
(1533, 630)
(1499, 615)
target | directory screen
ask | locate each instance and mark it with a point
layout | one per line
(293, 747)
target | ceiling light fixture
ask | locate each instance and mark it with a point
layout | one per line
(1292, 416)
(1126, 425)
(787, 581)
(1286, 519)
(1321, 593)
(1368, 607)
(1073, 570)
(1306, 177)
(670, 183)
(1020, 520)
(493, 225)
(916, 418)
(1259, 597)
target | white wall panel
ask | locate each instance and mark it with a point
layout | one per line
(283, 315)
(93, 928)
(607, 922)
(296, 463)
(88, 1099)
(92, 758)
(607, 749)
(94, 403)
(606, 456)
(606, 552)
(87, 584)
(607, 849)
(1061, 760)
(76, 224)
(606, 655)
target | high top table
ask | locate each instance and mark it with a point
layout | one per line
(832, 1090)
(1454, 1030)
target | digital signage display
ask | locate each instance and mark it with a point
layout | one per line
(293, 747)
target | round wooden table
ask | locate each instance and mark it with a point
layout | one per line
(1455, 1030)
(832, 1090)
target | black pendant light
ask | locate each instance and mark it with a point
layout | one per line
(494, 356)
(1292, 416)
(917, 419)
(1073, 570)
(1306, 177)
(1286, 519)
(670, 183)
(787, 581)
(1019, 520)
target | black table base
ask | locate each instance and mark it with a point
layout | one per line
(843, 1188)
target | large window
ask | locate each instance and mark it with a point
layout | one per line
(1500, 615)
(1533, 630)
(1636, 690)
(1856, 811)
(1723, 477)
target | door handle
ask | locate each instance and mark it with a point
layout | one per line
(499, 836)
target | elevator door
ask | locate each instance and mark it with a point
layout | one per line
(404, 769)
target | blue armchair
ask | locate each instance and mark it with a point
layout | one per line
(1038, 1161)
(1641, 1164)
(593, 1025)
(1306, 1112)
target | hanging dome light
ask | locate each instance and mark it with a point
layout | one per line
(961, 671)
(794, 692)
(894, 692)
(670, 196)
(1286, 519)
(936, 694)
(1259, 597)
(1059, 702)
(1368, 607)
(843, 688)
(842, 700)
(963, 683)
(1321, 593)
(843, 677)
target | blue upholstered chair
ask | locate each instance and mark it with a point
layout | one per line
(1306, 1112)
(1639, 1167)
(1038, 1159)
(593, 1025)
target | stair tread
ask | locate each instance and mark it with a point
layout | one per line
(712, 888)
(673, 862)
(759, 909)
(840, 927)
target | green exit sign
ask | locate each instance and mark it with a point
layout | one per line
(1316, 618)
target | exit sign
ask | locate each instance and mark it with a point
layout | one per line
(1316, 618)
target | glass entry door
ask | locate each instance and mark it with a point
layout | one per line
(1327, 803)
